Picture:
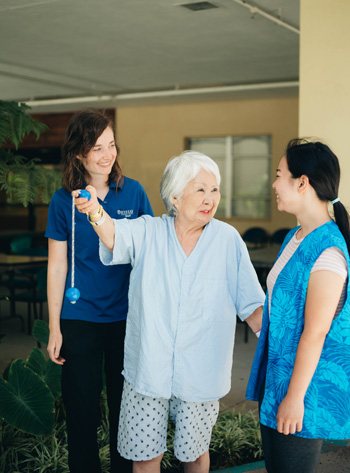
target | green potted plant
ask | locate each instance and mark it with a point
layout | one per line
(24, 181)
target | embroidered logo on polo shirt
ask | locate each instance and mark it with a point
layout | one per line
(125, 213)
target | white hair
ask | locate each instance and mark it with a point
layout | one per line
(179, 171)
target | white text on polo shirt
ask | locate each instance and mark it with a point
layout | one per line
(125, 213)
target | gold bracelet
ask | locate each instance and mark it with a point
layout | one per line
(96, 214)
(99, 222)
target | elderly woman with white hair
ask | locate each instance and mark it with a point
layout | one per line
(191, 274)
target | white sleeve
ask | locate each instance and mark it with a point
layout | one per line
(250, 295)
(332, 259)
(128, 242)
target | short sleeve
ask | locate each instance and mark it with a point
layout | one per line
(332, 259)
(250, 295)
(56, 228)
(128, 242)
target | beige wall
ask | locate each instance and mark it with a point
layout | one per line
(324, 109)
(150, 135)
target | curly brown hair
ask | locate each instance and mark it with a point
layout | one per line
(83, 131)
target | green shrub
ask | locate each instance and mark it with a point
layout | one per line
(235, 440)
(28, 392)
(24, 180)
(33, 436)
(26, 453)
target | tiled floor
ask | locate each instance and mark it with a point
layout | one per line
(15, 342)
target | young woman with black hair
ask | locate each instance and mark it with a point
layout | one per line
(301, 369)
(92, 329)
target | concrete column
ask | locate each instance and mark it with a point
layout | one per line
(324, 96)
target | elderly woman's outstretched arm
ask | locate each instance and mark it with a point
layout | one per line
(98, 217)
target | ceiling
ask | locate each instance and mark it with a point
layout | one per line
(65, 54)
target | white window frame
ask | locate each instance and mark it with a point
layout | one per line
(229, 165)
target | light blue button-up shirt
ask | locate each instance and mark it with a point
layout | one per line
(182, 309)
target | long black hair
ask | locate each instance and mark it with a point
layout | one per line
(316, 161)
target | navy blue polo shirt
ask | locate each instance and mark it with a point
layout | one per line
(103, 289)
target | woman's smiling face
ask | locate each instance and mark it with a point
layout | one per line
(285, 187)
(199, 200)
(100, 159)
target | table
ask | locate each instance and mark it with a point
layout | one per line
(11, 263)
(264, 257)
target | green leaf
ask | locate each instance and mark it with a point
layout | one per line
(37, 362)
(23, 180)
(53, 378)
(6, 372)
(41, 331)
(25, 401)
(48, 371)
(15, 123)
(50, 181)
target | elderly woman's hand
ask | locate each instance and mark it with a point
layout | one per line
(84, 205)
(255, 320)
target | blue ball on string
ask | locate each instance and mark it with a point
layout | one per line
(85, 193)
(73, 294)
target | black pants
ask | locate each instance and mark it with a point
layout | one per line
(84, 344)
(289, 453)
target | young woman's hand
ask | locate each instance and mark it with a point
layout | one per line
(290, 416)
(54, 348)
(84, 205)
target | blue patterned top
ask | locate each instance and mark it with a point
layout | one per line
(327, 399)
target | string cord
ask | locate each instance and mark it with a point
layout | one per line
(73, 240)
(73, 293)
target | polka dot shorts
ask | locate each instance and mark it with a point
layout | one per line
(143, 426)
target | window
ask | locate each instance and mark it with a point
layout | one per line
(244, 164)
